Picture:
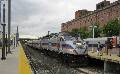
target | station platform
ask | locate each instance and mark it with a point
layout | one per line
(15, 62)
(113, 58)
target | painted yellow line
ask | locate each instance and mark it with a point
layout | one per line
(24, 67)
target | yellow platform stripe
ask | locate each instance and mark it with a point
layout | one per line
(24, 67)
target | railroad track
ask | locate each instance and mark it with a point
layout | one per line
(35, 62)
(42, 64)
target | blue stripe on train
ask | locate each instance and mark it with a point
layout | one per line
(57, 44)
(95, 45)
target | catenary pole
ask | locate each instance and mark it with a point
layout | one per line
(9, 24)
(3, 47)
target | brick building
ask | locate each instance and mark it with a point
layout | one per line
(105, 11)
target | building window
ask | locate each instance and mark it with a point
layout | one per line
(85, 21)
(102, 20)
(67, 26)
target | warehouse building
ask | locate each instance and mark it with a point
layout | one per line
(105, 11)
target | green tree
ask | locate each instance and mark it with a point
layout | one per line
(75, 30)
(83, 32)
(90, 34)
(98, 30)
(112, 28)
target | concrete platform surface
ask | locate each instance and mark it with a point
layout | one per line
(113, 58)
(12, 63)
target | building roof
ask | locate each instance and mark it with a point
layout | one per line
(27, 37)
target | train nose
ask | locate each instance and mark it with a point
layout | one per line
(81, 49)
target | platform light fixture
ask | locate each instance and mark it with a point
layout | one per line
(93, 27)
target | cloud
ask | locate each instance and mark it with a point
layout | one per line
(37, 17)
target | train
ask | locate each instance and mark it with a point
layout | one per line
(93, 44)
(67, 46)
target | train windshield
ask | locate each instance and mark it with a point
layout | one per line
(67, 38)
(70, 36)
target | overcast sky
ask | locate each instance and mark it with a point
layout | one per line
(37, 17)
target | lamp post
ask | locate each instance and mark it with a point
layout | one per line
(6, 44)
(48, 32)
(93, 34)
(3, 24)
(9, 24)
(119, 38)
(3, 46)
(93, 30)
(17, 35)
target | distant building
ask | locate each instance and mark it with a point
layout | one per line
(105, 11)
(27, 37)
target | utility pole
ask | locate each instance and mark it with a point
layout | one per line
(9, 22)
(3, 47)
(17, 36)
(14, 41)
(6, 44)
(48, 32)
(93, 35)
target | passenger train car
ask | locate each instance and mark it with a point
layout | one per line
(93, 43)
(67, 45)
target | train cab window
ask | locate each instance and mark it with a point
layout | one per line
(53, 37)
(61, 39)
(67, 38)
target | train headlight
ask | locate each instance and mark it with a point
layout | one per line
(78, 44)
(71, 50)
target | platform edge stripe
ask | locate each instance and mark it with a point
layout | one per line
(24, 67)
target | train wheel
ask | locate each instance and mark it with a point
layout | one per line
(64, 59)
(69, 60)
(46, 52)
(60, 57)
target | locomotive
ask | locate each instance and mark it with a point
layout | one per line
(68, 46)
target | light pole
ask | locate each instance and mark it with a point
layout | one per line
(119, 38)
(9, 24)
(3, 24)
(93, 34)
(93, 28)
(17, 35)
(48, 32)
(3, 46)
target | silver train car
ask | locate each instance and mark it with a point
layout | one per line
(93, 43)
(67, 46)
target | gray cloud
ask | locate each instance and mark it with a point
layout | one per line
(36, 17)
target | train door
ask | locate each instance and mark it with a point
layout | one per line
(61, 44)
